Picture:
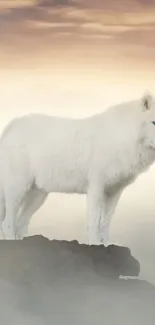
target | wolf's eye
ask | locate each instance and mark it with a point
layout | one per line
(153, 122)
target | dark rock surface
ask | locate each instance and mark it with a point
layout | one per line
(59, 283)
(67, 258)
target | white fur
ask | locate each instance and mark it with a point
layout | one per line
(98, 156)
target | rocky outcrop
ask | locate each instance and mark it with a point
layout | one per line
(46, 282)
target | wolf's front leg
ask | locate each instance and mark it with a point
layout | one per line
(110, 202)
(96, 212)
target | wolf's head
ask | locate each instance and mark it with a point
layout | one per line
(147, 122)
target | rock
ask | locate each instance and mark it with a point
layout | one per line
(66, 258)
(46, 282)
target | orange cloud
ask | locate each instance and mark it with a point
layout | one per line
(124, 31)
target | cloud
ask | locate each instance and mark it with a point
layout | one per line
(107, 28)
(16, 3)
(78, 14)
(51, 25)
(62, 34)
(55, 3)
(118, 6)
(123, 30)
(96, 36)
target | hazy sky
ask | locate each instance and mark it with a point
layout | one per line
(102, 37)
(73, 58)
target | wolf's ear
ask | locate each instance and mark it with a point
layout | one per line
(146, 102)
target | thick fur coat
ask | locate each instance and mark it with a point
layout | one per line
(97, 156)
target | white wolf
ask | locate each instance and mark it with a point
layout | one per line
(98, 156)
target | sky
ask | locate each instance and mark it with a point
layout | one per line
(76, 58)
